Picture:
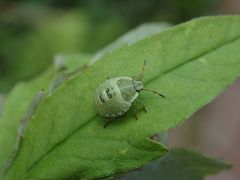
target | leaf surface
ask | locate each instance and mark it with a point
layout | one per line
(190, 63)
(15, 108)
(19, 101)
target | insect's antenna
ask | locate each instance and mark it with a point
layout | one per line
(142, 71)
(155, 92)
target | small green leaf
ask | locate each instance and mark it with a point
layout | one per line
(66, 66)
(191, 64)
(20, 99)
(179, 164)
(14, 109)
(23, 124)
(71, 62)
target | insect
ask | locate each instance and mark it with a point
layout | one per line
(115, 96)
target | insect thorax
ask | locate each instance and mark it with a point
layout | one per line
(127, 89)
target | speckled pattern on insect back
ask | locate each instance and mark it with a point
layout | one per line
(115, 96)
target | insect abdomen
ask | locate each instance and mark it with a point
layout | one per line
(109, 99)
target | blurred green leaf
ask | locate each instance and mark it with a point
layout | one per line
(179, 164)
(191, 64)
(25, 55)
(33, 52)
(137, 34)
(71, 62)
(2, 100)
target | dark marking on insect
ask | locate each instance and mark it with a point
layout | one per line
(101, 98)
(108, 93)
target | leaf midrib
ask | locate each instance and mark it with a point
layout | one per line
(148, 82)
(192, 59)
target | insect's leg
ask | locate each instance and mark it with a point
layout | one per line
(140, 76)
(135, 115)
(141, 105)
(109, 121)
(144, 107)
(138, 106)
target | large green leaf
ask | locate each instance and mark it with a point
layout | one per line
(179, 164)
(191, 64)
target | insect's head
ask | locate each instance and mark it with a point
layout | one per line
(138, 85)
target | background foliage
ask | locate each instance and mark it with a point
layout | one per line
(38, 30)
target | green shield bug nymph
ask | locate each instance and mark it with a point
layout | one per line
(115, 96)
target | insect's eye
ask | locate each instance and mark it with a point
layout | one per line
(101, 98)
